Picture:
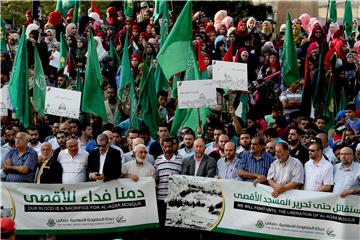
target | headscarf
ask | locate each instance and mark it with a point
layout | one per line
(330, 34)
(68, 28)
(238, 54)
(239, 32)
(219, 16)
(220, 39)
(357, 50)
(313, 38)
(95, 16)
(270, 28)
(228, 22)
(53, 40)
(55, 18)
(248, 23)
(100, 49)
(297, 37)
(305, 19)
(31, 27)
(313, 22)
(69, 15)
(113, 15)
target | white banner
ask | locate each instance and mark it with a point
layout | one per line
(237, 207)
(196, 94)
(230, 75)
(62, 102)
(118, 205)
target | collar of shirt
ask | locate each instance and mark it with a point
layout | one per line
(171, 159)
(320, 163)
(351, 168)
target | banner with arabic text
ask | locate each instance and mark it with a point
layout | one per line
(237, 207)
(119, 205)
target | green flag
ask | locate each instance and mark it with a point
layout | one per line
(127, 85)
(289, 68)
(347, 21)
(161, 81)
(92, 98)
(128, 8)
(2, 36)
(19, 84)
(77, 11)
(174, 53)
(63, 6)
(115, 56)
(148, 100)
(63, 53)
(333, 14)
(39, 89)
(330, 106)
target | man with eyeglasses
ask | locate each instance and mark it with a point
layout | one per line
(104, 162)
(318, 171)
(347, 174)
(73, 162)
(21, 161)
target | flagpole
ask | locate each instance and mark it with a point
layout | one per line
(327, 12)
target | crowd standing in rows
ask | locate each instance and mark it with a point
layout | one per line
(278, 144)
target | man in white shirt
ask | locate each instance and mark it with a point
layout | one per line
(327, 150)
(34, 142)
(138, 167)
(129, 156)
(74, 162)
(318, 171)
(347, 174)
(286, 172)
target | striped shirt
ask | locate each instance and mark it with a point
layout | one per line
(227, 170)
(165, 168)
(250, 164)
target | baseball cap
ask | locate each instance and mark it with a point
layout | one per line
(7, 227)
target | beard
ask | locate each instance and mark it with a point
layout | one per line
(292, 142)
(34, 140)
(139, 160)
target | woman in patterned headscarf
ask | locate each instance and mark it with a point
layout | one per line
(267, 31)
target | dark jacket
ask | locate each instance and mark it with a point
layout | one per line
(207, 167)
(112, 165)
(52, 172)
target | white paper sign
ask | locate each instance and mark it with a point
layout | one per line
(4, 100)
(196, 94)
(230, 75)
(62, 102)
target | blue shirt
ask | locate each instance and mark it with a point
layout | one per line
(184, 154)
(227, 170)
(125, 125)
(346, 178)
(28, 159)
(250, 164)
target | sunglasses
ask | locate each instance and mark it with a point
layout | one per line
(101, 145)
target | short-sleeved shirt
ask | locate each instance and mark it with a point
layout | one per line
(184, 154)
(164, 169)
(252, 165)
(28, 159)
(147, 170)
(227, 170)
(346, 178)
(317, 175)
(291, 171)
(74, 168)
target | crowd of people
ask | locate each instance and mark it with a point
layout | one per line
(280, 143)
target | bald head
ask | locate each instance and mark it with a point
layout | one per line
(346, 156)
(324, 139)
(110, 135)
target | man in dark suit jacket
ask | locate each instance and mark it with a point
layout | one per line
(199, 164)
(104, 163)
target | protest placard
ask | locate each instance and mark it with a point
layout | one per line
(196, 94)
(62, 102)
(230, 75)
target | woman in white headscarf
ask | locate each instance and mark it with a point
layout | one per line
(219, 16)
(50, 38)
(101, 52)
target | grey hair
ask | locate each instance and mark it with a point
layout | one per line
(46, 143)
(102, 137)
(138, 147)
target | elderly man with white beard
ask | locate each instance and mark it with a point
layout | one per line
(138, 167)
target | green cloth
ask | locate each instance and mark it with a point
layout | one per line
(92, 97)
(128, 8)
(63, 52)
(19, 84)
(161, 81)
(39, 90)
(333, 14)
(127, 84)
(63, 6)
(347, 20)
(174, 54)
(290, 68)
(76, 14)
(116, 59)
(148, 99)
